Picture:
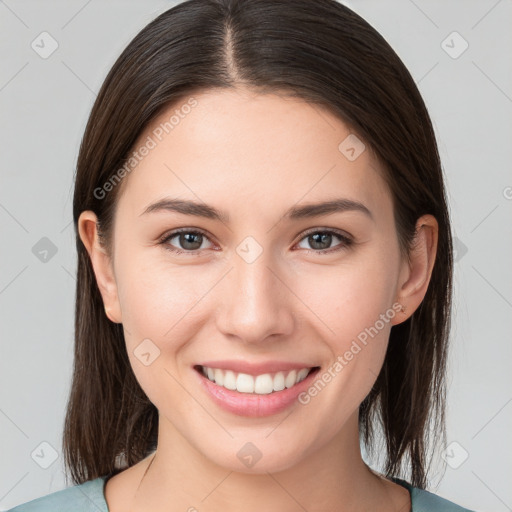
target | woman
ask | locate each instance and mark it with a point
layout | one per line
(264, 270)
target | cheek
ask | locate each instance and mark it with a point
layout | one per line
(351, 297)
(163, 308)
(355, 307)
(160, 311)
(158, 300)
(354, 303)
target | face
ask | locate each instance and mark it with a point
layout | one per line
(266, 288)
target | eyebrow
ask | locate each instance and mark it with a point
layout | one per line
(187, 207)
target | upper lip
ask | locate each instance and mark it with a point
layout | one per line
(256, 368)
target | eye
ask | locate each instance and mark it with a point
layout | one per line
(320, 241)
(189, 241)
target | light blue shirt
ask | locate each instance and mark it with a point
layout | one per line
(90, 497)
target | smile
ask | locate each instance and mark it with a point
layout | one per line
(254, 390)
(263, 384)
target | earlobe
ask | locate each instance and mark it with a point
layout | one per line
(416, 272)
(101, 263)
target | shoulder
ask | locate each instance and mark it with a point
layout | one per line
(425, 501)
(85, 497)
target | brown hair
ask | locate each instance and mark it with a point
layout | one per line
(321, 52)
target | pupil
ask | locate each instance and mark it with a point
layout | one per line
(322, 239)
(188, 238)
(193, 241)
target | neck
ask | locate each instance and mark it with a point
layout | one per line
(332, 477)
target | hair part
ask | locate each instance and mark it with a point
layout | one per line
(321, 52)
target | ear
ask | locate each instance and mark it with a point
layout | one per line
(415, 273)
(101, 263)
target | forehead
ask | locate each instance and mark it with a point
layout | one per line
(229, 147)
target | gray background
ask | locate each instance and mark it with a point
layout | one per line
(44, 106)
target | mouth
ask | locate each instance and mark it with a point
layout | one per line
(252, 384)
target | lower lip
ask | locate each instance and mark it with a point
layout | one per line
(251, 404)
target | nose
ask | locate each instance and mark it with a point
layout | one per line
(256, 302)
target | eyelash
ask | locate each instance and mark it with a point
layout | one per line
(346, 241)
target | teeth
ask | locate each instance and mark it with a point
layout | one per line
(264, 384)
(219, 377)
(291, 379)
(261, 384)
(244, 383)
(229, 380)
(302, 374)
(279, 381)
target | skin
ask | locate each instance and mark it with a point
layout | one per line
(255, 156)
